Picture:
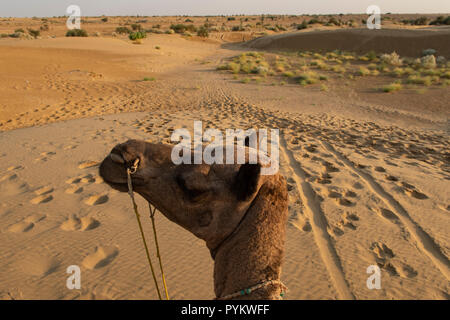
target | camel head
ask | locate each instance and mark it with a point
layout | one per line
(207, 200)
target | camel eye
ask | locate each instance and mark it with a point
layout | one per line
(189, 191)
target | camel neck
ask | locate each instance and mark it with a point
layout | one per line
(254, 254)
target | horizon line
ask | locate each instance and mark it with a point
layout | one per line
(231, 15)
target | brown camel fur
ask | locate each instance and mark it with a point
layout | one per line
(240, 213)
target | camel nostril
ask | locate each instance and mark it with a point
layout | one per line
(116, 158)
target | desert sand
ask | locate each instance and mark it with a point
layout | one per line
(368, 173)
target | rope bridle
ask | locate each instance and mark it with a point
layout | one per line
(260, 285)
(131, 171)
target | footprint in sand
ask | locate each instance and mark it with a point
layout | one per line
(98, 180)
(14, 168)
(311, 148)
(416, 194)
(406, 271)
(411, 191)
(74, 190)
(38, 265)
(43, 190)
(89, 178)
(381, 251)
(329, 167)
(11, 185)
(22, 226)
(45, 156)
(345, 202)
(350, 194)
(26, 224)
(325, 178)
(335, 231)
(82, 224)
(384, 258)
(101, 257)
(42, 199)
(35, 217)
(88, 164)
(358, 186)
(9, 177)
(96, 199)
(388, 214)
(301, 223)
(383, 254)
(348, 221)
(334, 194)
(74, 180)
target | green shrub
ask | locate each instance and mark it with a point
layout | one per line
(34, 33)
(422, 21)
(302, 26)
(428, 62)
(314, 21)
(371, 55)
(237, 28)
(307, 78)
(398, 72)
(338, 69)
(136, 27)
(445, 75)
(289, 74)
(182, 28)
(441, 21)
(149, 79)
(123, 30)
(105, 19)
(415, 79)
(203, 32)
(19, 30)
(137, 35)
(232, 66)
(392, 59)
(392, 87)
(76, 33)
(428, 52)
(333, 21)
(363, 71)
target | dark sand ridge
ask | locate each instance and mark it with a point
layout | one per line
(404, 42)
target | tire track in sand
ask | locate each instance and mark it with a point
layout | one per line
(423, 241)
(319, 224)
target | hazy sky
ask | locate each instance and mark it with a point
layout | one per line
(40, 8)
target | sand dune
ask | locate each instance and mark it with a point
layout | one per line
(405, 42)
(368, 182)
(355, 200)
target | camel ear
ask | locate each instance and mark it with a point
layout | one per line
(246, 181)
